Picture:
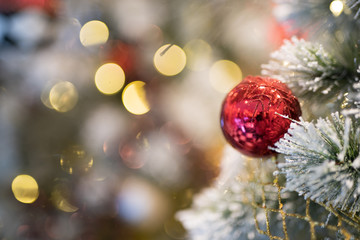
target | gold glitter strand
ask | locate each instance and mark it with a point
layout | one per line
(283, 215)
(257, 168)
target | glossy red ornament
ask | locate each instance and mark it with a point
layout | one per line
(249, 118)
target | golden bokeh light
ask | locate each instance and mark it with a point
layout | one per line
(93, 33)
(45, 96)
(134, 98)
(63, 96)
(336, 7)
(25, 189)
(75, 159)
(169, 60)
(224, 75)
(109, 78)
(198, 53)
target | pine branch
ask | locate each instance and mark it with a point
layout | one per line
(338, 34)
(246, 197)
(354, 98)
(354, 5)
(218, 214)
(223, 211)
(323, 161)
(317, 16)
(309, 70)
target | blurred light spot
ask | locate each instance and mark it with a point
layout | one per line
(65, 206)
(198, 53)
(141, 204)
(106, 147)
(28, 28)
(176, 136)
(340, 36)
(25, 189)
(153, 36)
(23, 231)
(60, 196)
(134, 98)
(130, 151)
(130, 157)
(336, 7)
(45, 96)
(142, 140)
(94, 33)
(224, 75)
(63, 96)
(174, 229)
(169, 60)
(122, 54)
(3, 26)
(285, 63)
(171, 129)
(76, 159)
(109, 78)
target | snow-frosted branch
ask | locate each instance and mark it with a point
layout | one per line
(307, 69)
(323, 162)
(223, 211)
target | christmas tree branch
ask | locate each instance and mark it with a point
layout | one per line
(323, 161)
(308, 70)
(354, 5)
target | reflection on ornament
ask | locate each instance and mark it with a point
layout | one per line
(250, 117)
(75, 159)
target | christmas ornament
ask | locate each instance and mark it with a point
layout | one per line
(250, 117)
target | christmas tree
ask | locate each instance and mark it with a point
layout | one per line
(311, 191)
(110, 119)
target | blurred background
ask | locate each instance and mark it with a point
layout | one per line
(109, 109)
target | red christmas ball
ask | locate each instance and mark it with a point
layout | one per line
(250, 117)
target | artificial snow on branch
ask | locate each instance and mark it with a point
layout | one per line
(355, 99)
(322, 161)
(220, 212)
(308, 70)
